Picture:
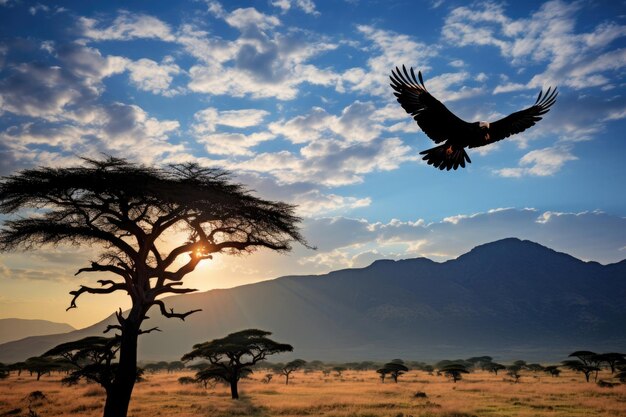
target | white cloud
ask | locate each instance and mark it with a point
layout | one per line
(540, 162)
(206, 120)
(233, 144)
(329, 163)
(148, 75)
(548, 36)
(307, 6)
(262, 62)
(127, 26)
(355, 124)
(390, 49)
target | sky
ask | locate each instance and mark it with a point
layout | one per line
(293, 98)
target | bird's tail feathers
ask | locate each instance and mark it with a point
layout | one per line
(446, 157)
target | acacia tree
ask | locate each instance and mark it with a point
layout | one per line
(290, 367)
(493, 367)
(130, 210)
(454, 371)
(232, 357)
(92, 359)
(393, 369)
(580, 366)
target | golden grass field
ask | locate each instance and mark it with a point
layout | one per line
(355, 394)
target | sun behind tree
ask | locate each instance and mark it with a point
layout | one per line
(128, 209)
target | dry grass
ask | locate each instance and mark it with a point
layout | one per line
(356, 394)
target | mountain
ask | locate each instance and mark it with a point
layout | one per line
(15, 329)
(510, 299)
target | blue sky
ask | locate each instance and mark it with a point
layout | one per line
(293, 97)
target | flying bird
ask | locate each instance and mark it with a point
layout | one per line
(441, 125)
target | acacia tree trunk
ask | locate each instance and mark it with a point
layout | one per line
(233, 389)
(118, 397)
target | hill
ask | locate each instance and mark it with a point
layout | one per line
(15, 329)
(510, 299)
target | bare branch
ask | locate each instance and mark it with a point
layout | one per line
(112, 327)
(154, 329)
(84, 289)
(96, 267)
(171, 314)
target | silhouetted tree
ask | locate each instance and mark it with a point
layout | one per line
(580, 366)
(4, 371)
(612, 359)
(41, 366)
(514, 371)
(290, 367)
(267, 378)
(454, 371)
(479, 361)
(92, 358)
(493, 367)
(382, 373)
(534, 367)
(130, 210)
(175, 366)
(232, 357)
(589, 359)
(393, 369)
(553, 370)
(339, 370)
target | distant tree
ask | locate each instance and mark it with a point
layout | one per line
(553, 370)
(267, 378)
(131, 210)
(479, 361)
(4, 371)
(41, 366)
(493, 367)
(580, 366)
(175, 366)
(232, 357)
(612, 359)
(534, 367)
(514, 371)
(429, 369)
(187, 380)
(290, 367)
(382, 373)
(585, 356)
(92, 359)
(520, 363)
(454, 371)
(339, 370)
(326, 372)
(590, 359)
(393, 369)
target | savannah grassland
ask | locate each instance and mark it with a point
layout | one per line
(354, 394)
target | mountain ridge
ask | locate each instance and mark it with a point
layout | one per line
(503, 298)
(12, 329)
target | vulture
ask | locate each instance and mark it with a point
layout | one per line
(441, 125)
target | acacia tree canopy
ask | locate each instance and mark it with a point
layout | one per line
(129, 210)
(232, 357)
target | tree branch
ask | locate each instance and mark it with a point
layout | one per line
(84, 289)
(171, 314)
(154, 329)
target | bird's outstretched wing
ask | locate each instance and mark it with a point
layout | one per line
(519, 121)
(431, 115)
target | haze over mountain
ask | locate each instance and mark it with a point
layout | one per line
(15, 329)
(510, 299)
